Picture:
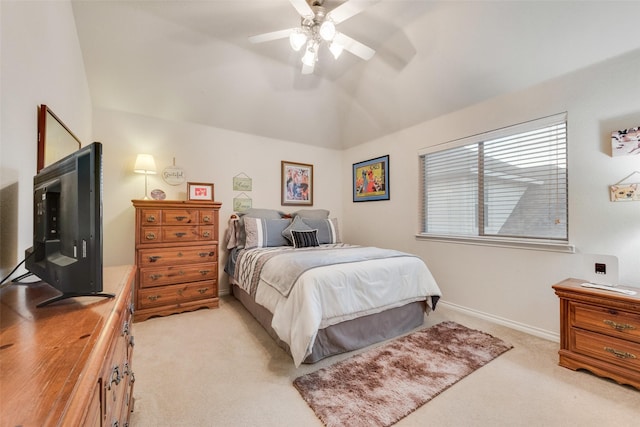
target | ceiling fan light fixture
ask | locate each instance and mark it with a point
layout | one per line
(311, 55)
(327, 30)
(297, 39)
(336, 49)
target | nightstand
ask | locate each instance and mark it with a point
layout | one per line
(600, 331)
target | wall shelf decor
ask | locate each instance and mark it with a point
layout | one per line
(242, 182)
(625, 192)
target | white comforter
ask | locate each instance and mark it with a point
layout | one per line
(327, 295)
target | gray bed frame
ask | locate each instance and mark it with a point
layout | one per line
(348, 335)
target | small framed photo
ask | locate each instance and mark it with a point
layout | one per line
(199, 191)
(296, 184)
(371, 180)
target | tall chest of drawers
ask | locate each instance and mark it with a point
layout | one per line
(600, 331)
(176, 256)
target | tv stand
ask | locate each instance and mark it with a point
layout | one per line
(71, 363)
(73, 295)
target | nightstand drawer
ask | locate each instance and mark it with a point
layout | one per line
(609, 321)
(150, 277)
(612, 350)
(176, 294)
(176, 255)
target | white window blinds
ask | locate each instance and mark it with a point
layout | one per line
(510, 183)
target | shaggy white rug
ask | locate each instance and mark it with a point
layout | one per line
(385, 384)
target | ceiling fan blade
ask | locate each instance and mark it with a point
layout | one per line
(302, 7)
(274, 35)
(349, 8)
(354, 46)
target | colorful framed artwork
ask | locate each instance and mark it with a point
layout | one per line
(199, 191)
(296, 184)
(625, 142)
(371, 180)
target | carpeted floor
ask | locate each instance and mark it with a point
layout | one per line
(220, 368)
(384, 384)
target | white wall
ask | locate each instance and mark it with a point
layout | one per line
(41, 64)
(514, 285)
(207, 155)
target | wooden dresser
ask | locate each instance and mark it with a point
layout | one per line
(68, 363)
(600, 331)
(176, 256)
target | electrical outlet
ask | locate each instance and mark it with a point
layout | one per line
(601, 268)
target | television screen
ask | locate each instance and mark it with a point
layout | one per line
(67, 225)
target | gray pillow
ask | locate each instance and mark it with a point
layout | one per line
(254, 213)
(264, 233)
(312, 213)
(297, 225)
(327, 229)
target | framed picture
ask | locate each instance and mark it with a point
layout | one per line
(625, 142)
(199, 191)
(297, 184)
(371, 180)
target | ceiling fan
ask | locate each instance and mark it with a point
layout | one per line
(318, 27)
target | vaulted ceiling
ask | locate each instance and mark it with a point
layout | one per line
(191, 61)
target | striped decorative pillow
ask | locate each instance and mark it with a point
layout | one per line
(305, 239)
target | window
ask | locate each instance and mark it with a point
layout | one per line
(509, 184)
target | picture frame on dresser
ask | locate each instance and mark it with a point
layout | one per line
(200, 191)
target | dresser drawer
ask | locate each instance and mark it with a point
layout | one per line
(176, 294)
(207, 217)
(609, 321)
(160, 276)
(180, 216)
(150, 217)
(612, 350)
(180, 234)
(176, 255)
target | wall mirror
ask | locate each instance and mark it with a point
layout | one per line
(55, 140)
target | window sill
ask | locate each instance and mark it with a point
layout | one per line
(529, 244)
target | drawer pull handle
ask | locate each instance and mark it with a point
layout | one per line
(151, 218)
(150, 236)
(205, 272)
(125, 328)
(203, 290)
(181, 218)
(206, 218)
(115, 376)
(154, 258)
(620, 354)
(180, 234)
(619, 326)
(155, 276)
(153, 297)
(205, 254)
(179, 254)
(206, 234)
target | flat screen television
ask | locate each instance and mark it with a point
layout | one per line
(67, 225)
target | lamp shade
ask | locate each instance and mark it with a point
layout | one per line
(145, 164)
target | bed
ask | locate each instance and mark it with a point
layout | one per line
(317, 296)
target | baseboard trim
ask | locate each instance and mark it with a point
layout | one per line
(541, 333)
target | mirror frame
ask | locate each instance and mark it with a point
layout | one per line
(47, 149)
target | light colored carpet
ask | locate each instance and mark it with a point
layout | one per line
(384, 384)
(220, 368)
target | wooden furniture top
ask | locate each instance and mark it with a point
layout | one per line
(174, 203)
(572, 288)
(51, 356)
